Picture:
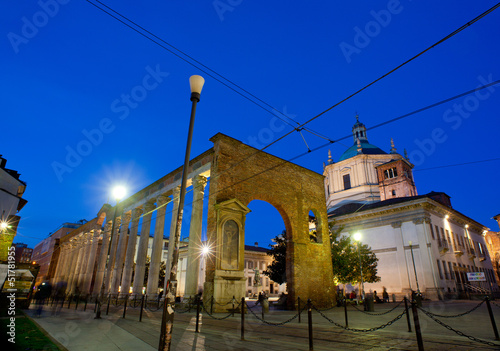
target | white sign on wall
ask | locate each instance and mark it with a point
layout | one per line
(476, 277)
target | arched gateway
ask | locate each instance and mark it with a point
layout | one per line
(240, 174)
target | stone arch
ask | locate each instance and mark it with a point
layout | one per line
(293, 191)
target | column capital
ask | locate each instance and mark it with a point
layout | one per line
(396, 224)
(176, 191)
(126, 216)
(136, 213)
(148, 207)
(199, 181)
(162, 200)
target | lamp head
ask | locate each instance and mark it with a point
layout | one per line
(357, 236)
(196, 84)
(410, 243)
(3, 225)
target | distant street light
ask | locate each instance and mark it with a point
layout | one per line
(167, 321)
(414, 268)
(119, 193)
(357, 237)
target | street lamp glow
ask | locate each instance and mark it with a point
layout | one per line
(119, 192)
(205, 250)
(410, 243)
(357, 236)
(447, 216)
(3, 225)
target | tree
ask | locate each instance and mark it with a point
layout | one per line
(346, 259)
(276, 271)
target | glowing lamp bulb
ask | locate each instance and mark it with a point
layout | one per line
(357, 236)
(205, 250)
(119, 192)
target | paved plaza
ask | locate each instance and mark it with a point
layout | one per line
(77, 330)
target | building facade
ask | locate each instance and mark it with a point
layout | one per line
(11, 202)
(421, 242)
(23, 253)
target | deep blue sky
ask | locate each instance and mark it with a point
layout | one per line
(64, 78)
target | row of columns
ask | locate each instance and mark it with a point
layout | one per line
(77, 261)
(78, 257)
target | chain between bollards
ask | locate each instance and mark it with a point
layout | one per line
(492, 319)
(198, 302)
(243, 318)
(407, 314)
(309, 322)
(418, 332)
(142, 308)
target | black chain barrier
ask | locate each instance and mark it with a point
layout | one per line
(217, 318)
(158, 305)
(275, 324)
(398, 317)
(381, 313)
(223, 304)
(495, 304)
(457, 315)
(458, 332)
(135, 302)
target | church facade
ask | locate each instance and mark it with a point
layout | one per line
(421, 242)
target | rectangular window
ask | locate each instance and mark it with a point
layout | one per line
(437, 231)
(452, 274)
(445, 270)
(442, 234)
(390, 173)
(249, 281)
(347, 181)
(432, 231)
(439, 269)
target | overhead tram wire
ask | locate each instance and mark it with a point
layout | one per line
(393, 70)
(206, 68)
(458, 164)
(350, 136)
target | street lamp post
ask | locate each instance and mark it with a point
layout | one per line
(414, 268)
(357, 237)
(118, 193)
(167, 321)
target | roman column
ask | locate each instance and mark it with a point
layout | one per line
(120, 253)
(130, 254)
(154, 266)
(66, 269)
(176, 199)
(77, 264)
(108, 278)
(60, 263)
(89, 271)
(194, 248)
(83, 266)
(142, 251)
(103, 257)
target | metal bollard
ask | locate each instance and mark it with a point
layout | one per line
(69, 300)
(212, 305)
(198, 302)
(125, 305)
(309, 322)
(107, 308)
(233, 306)
(77, 300)
(407, 314)
(85, 306)
(420, 342)
(345, 313)
(298, 307)
(492, 319)
(243, 318)
(62, 302)
(142, 308)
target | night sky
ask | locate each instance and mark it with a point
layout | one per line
(87, 102)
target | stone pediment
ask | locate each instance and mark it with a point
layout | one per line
(233, 205)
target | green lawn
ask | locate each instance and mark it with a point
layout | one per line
(28, 336)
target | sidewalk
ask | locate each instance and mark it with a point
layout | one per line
(77, 330)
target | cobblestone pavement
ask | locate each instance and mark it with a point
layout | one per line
(77, 330)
